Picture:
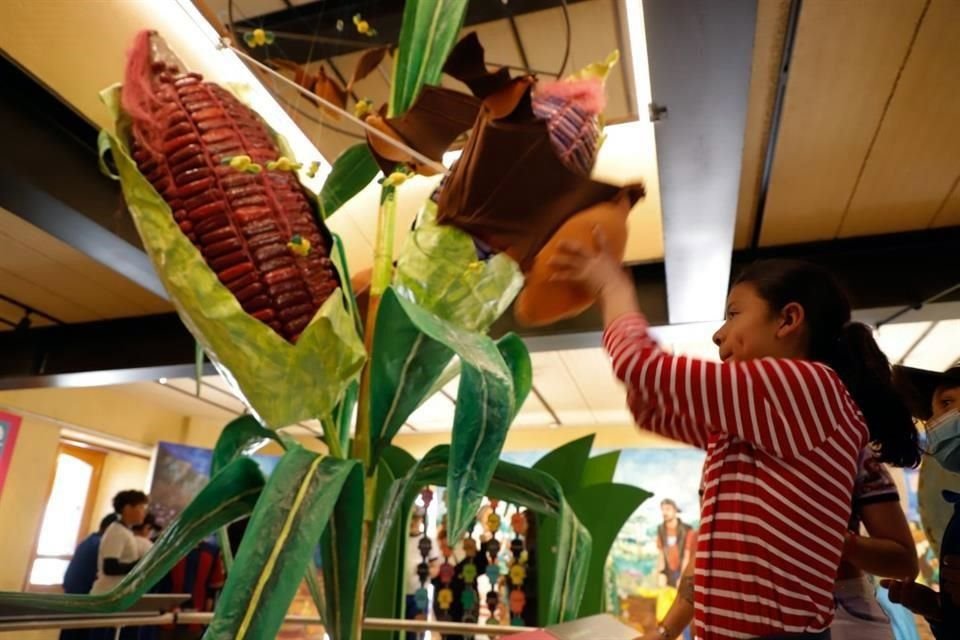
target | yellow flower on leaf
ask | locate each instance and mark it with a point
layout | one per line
(395, 179)
(258, 38)
(363, 27)
(363, 108)
(283, 163)
(299, 245)
(242, 163)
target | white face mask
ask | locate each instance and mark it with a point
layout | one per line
(943, 440)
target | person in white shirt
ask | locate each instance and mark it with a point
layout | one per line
(119, 550)
(144, 533)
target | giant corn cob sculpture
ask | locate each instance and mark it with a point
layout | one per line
(219, 169)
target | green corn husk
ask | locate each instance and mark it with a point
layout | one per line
(438, 269)
(281, 383)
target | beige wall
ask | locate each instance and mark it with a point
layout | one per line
(24, 496)
(34, 458)
(21, 507)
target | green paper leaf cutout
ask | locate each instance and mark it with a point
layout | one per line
(281, 383)
(353, 170)
(411, 350)
(523, 486)
(567, 463)
(294, 510)
(601, 469)
(429, 30)
(438, 268)
(604, 508)
(229, 496)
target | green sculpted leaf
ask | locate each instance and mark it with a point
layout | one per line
(429, 30)
(293, 512)
(411, 350)
(340, 550)
(240, 437)
(353, 170)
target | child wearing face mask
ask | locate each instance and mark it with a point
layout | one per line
(936, 400)
(784, 417)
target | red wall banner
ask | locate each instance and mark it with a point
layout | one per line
(9, 428)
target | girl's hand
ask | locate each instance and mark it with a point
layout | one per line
(595, 269)
(599, 273)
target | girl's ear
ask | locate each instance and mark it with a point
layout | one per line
(791, 319)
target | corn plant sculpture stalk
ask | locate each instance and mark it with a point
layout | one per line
(427, 320)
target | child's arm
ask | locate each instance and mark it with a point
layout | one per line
(787, 407)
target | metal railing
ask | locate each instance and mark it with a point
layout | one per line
(370, 624)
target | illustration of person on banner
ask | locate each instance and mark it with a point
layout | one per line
(675, 541)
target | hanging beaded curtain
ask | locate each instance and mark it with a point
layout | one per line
(486, 577)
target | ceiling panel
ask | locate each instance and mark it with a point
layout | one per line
(764, 77)
(559, 389)
(534, 413)
(590, 370)
(845, 61)
(50, 276)
(594, 34)
(246, 9)
(915, 162)
(950, 213)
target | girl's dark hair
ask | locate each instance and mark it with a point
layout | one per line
(129, 498)
(847, 347)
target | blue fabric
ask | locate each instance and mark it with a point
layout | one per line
(901, 619)
(82, 570)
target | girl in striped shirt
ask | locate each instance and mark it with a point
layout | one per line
(799, 392)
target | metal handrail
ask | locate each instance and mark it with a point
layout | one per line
(370, 624)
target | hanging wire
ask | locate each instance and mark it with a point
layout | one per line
(569, 38)
(419, 157)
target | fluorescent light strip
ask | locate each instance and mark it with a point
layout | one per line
(205, 42)
(633, 12)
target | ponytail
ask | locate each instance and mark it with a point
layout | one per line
(847, 347)
(865, 370)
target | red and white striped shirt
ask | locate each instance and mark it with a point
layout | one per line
(782, 440)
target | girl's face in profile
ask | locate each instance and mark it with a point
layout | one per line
(753, 330)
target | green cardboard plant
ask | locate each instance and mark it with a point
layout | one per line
(425, 324)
